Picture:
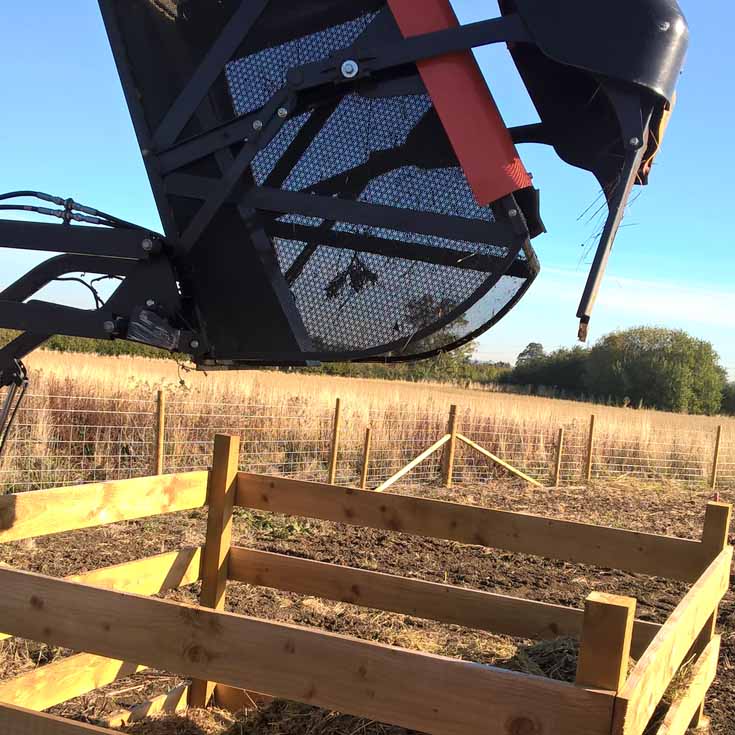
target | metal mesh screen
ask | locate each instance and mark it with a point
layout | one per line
(365, 289)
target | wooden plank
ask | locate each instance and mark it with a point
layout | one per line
(169, 704)
(145, 576)
(17, 721)
(500, 462)
(42, 512)
(413, 463)
(558, 457)
(237, 700)
(716, 458)
(590, 450)
(216, 552)
(442, 602)
(607, 633)
(614, 548)
(366, 458)
(52, 684)
(384, 683)
(658, 665)
(684, 709)
(160, 435)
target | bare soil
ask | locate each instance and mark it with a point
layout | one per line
(670, 510)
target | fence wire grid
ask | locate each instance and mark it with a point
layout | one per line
(70, 439)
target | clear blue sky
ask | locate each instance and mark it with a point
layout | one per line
(65, 129)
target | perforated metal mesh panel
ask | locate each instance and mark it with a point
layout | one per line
(357, 292)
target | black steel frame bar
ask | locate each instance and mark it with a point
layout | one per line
(210, 68)
(30, 316)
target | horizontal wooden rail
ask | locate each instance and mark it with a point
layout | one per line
(683, 709)
(52, 684)
(441, 602)
(500, 462)
(657, 667)
(145, 576)
(413, 463)
(169, 703)
(410, 689)
(42, 512)
(17, 721)
(583, 543)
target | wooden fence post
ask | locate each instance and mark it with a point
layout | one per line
(215, 555)
(590, 450)
(160, 434)
(557, 463)
(334, 450)
(604, 650)
(714, 540)
(450, 449)
(365, 459)
(716, 458)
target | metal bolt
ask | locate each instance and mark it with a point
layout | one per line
(350, 69)
(282, 113)
(664, 26)
(258, 125)
(634, 142)
(109, 327)
(150, 303)
(194, 344)
(147, 245)
(513, 213)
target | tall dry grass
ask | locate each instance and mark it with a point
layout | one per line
(91, 418)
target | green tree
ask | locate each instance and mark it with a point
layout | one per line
(662, 368)
(728, 399)
(531, 353)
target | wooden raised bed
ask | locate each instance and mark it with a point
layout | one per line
(107, 614)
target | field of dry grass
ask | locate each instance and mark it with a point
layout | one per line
(91, 418)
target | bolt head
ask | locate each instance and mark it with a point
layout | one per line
(147, 245)
(109, 327)
(150, 303)
(664, 25)
(282, 113)
(194, 344)
(513, 213)
(258, 125)
(350, 69)
(634, 142)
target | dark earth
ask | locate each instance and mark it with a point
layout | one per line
(670, 510)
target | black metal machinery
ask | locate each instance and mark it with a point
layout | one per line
(334, 179)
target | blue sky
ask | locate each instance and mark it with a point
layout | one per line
(65, 129)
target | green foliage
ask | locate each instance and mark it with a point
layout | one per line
(728, 399)
(532, 353)
(562, 369)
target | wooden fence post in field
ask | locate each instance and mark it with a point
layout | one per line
(334, 449)
(215, 556)
(365, 459)
(160, 433)
(716, 458)
(714, 539)
(557, 463)
(604, 649)
(590, 450)
(450, 449)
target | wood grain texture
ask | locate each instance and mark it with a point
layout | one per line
(682, 710)
(42, 512)
(415, 690)
(500, 462)
(52, 684)
(18, 721)
(169, 703)
(442, 602)
(522, 532)
(658, 665)
(145, 576)
(412, 464)
(236, 700)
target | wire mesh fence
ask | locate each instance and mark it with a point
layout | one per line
(72, 439)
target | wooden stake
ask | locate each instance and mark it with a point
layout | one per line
(500, 462)
(160, 436)
(557, 463)
(590, 449)
(215, 556)
(451, 448)
(366, 459)
(714, 539)
(716, 458)
(604, 649)
(332, 476)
